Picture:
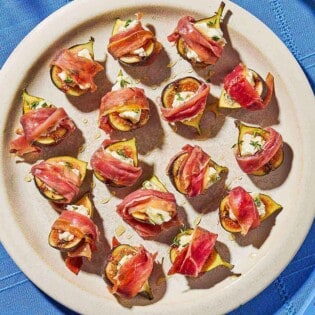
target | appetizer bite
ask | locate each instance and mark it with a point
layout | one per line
(131, 44)
(43, 124)
(116, 163)
(149, 210)
(258, 151)
(59, 178)
(125, 107)
(241, 211)
(184, 100)
(193, 253)
(192, 171)
(73, 70)
(75, 234)
(245, 88)
(128, 269)
(199, 42)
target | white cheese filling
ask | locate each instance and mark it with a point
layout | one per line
(128, 25)
(122, 82)
(191, 54)
(182, 97)
(132, 115)
(184, 240)
(157, 216)
(211, 177)
(259, 204)
(251, 144)
(85, 53)
(120, 157)
(40, 104)
(79, 209)
(65, 236)
(140, 52)
(212, 32)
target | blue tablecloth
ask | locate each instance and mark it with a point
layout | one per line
(293, 292)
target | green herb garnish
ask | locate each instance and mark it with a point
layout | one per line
(123, 83)
(211, 23)
(121, 153)
(256, 133)
(255, 144)
(175, 242)
(257, 202)
(179, 97)
(67, 164)
(128, 22)
(68, 80)
(216, 38)
(34, 105)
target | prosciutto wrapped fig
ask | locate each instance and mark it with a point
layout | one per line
(73, 70)
(116, 163)
(149, 210)
(131, 44)
(184, 101)
(128, 269)
(74, 233)
(192, 171)
(258, 151)
(241, 211)
(43, 124)
(193, 253)
(245, 88)
(199, 42)
(59, 178)
(124, 108)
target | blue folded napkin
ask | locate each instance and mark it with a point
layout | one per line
(293, 291)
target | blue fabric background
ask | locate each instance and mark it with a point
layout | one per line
(293, 291)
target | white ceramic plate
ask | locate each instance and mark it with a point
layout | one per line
(259, 258)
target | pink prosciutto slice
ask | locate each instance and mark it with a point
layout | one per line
(192, 169)
(243, 92)
(124, 43)
(82, 227)
(190, 108)
(139, 201)
(191, 258)
(244, 209)
(251, 163)
(58, 177)
(125, 99)
(38, 123)
(207, 49)
(79, 69)
(133, 274)
(112, 169)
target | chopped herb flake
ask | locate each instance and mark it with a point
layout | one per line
(211, 23)
(257, 202)
(68, 80)
(255, 144)
(34, 105)
(216, 38)
(179, 97)
(128, 22)
(124, 83)
(175, 242)
(121, 152)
